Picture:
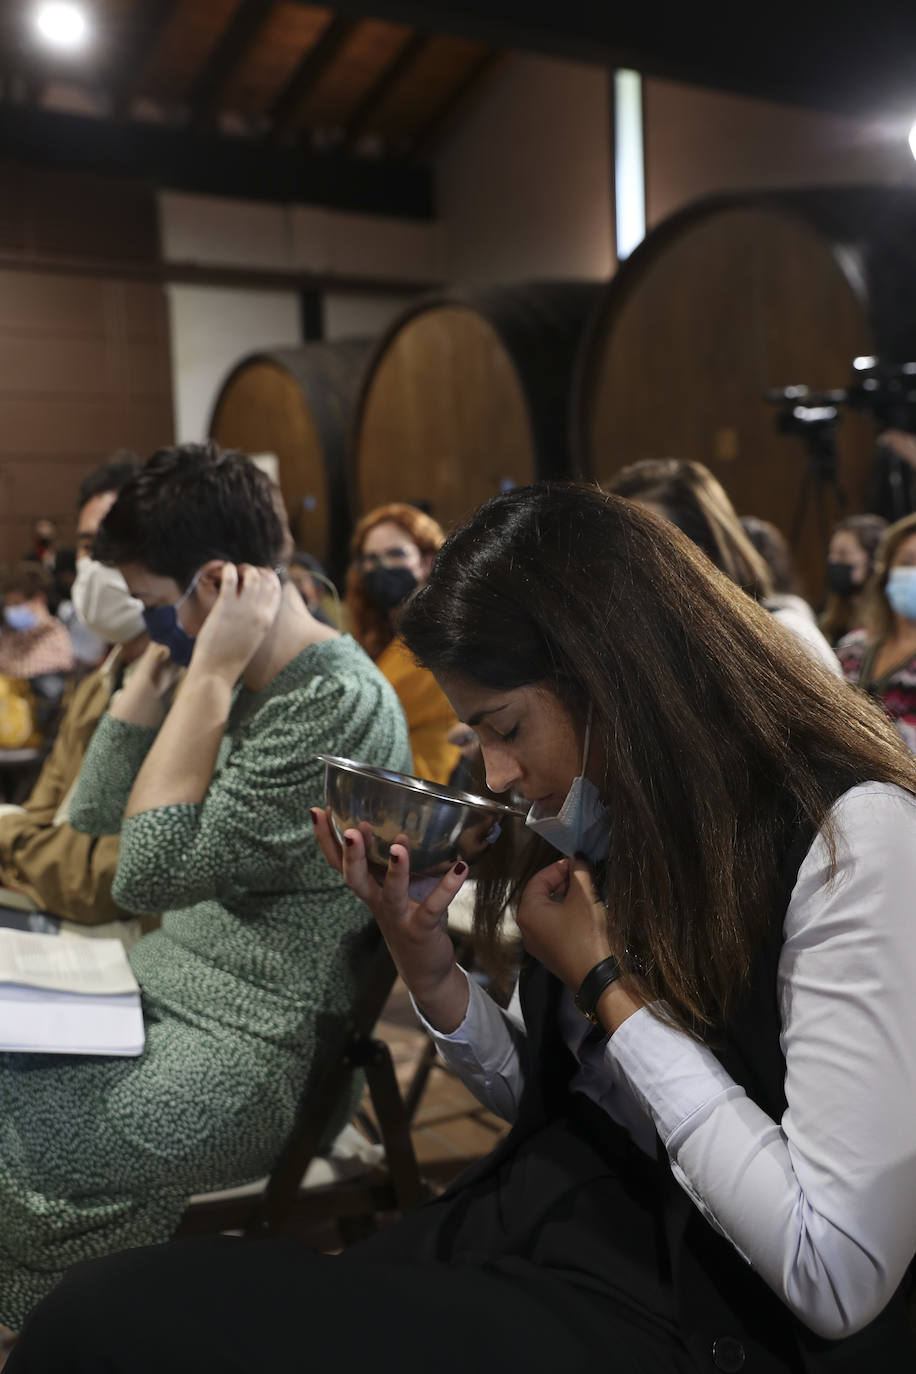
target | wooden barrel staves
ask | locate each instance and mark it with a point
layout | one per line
(467, 394)
(297, 403)
(727, 299)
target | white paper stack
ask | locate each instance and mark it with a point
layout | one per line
(67, 996)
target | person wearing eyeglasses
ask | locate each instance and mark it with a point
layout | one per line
(392, 552)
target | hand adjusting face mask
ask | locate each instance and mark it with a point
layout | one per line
(583, 823)
(163, 626)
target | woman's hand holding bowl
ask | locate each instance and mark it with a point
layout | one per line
(415, 932)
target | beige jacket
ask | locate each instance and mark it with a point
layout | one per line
(64, 872)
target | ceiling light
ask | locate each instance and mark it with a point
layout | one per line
(62, 25)
(912, 140)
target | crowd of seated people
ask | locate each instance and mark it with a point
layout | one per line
(173, 812)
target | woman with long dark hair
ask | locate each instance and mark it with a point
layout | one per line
(709, 1058)
(850, 563)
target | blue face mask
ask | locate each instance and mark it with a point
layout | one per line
(583, 823)
(164, 627)
(20, 617)
(901, 592)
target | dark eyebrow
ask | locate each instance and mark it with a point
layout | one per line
(493, 711)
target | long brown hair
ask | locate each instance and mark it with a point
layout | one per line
(370, 627)
(720, 733)
(877, 615)
(696, 501)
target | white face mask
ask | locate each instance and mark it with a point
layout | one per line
(104, 604)
(583, 823)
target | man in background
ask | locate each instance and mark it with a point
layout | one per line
(52, 877)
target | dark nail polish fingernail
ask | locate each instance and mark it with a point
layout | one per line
(313, 812)
(349, 841)
(460, 868)
(394, 858)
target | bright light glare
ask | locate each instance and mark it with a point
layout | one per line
(61, 24)
(911, 139)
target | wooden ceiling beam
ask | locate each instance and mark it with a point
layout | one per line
(148, 24)
(407, 57)
(435, 129)
(243, 28)
(285, 112)
(215, 164)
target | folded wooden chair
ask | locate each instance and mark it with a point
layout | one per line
(281, 1203)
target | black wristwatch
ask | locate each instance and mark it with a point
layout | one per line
(595, 982)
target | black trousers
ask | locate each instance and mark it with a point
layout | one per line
(273, 1306)
(553, 1261)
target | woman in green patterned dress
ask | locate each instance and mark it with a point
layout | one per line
(259, 939)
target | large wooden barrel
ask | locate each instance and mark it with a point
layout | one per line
(727, 299)
(297, 403)
(467, 394)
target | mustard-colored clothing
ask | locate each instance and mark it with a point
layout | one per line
(429, 716)
(63, 871)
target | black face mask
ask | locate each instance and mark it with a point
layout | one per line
(840, 579)
(388, 587)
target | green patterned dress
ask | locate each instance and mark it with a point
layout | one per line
(256, 951)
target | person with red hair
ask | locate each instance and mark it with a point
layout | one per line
(392, 552)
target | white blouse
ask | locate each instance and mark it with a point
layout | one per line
(822, 1204)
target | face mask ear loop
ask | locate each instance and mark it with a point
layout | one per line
(319, 577)
(188, 590)
(588, 740)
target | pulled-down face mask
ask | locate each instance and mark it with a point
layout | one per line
(583, 823)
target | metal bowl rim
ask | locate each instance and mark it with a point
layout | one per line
(414, 785)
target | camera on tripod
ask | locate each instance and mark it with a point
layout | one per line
(888, 392)
(813, 416)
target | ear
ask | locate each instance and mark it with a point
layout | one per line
(210, 580)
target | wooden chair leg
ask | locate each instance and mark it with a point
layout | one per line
(417, 1085)
(394, 1124)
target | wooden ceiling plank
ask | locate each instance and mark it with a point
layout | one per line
(411, 52)
(435, 129)
(246, 24)
(307, 75)
(150, 20)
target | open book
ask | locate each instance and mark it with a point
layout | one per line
(64, 995)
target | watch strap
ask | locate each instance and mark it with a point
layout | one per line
(595, 982)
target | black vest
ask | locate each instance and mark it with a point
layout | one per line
(722, 1306)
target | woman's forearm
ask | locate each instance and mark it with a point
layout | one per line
(445, 1006)
(179, 767)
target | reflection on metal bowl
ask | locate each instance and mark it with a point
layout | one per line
(439, 824)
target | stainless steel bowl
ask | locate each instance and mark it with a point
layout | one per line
(439, 824)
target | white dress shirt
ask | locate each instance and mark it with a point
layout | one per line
(796, 615)
(822, 1204)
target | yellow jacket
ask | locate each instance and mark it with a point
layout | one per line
(429, 716)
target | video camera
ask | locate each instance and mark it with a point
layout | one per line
(887, 390)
